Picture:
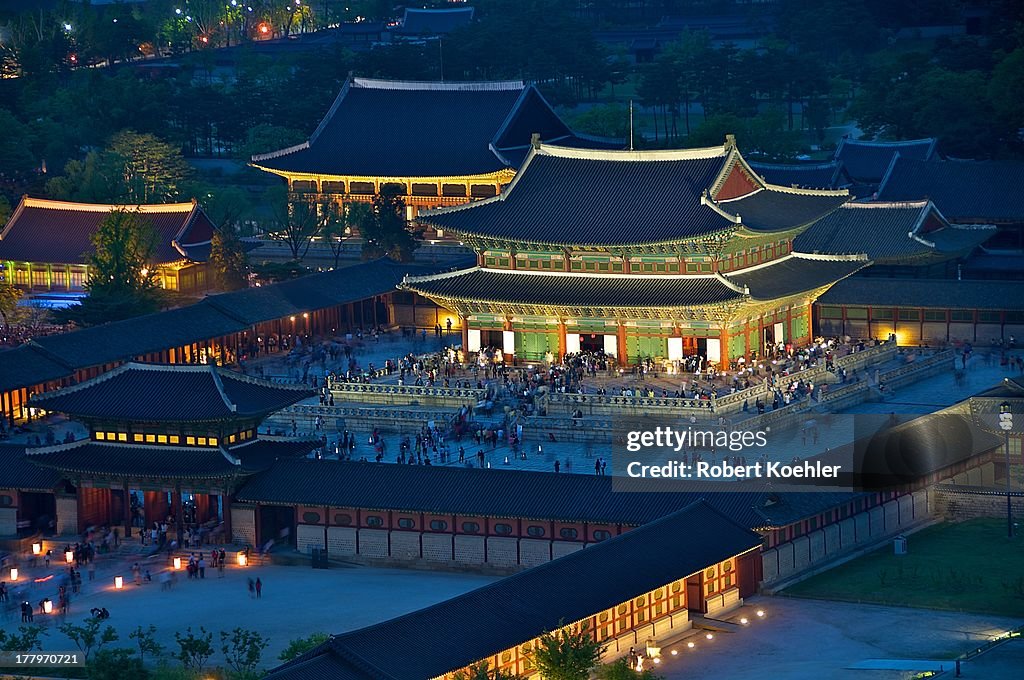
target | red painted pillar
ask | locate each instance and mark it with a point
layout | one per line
(724, 339)
(562, 342)
(623, 357)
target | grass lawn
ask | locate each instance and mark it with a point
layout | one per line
(970, 566)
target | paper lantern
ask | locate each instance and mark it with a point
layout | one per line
(242, 559)
(47, 606)
(118, 582)
(69, 556)
(177, 563)
(37, 548)
(14, 573)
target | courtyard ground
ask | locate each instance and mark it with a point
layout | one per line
(296, 601)
(819, 640)
(969, 566)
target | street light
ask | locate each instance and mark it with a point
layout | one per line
(1006, 425)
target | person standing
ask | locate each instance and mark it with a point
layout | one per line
(252, 588)
(259, 588)
(202, 566)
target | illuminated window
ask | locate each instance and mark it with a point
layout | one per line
(100, 436)
(201, 441)
(174, 439)
(191, 441)
(122, 436)
(138, 437)
(151, 439)
(213, 441)
(161, 439)
(231, 439)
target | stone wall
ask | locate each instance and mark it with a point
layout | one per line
(959, 504)
(243, 523)
(8, 521)
(817, 547)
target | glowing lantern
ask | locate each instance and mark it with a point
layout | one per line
(47, 606)
(177, 563)
(69, 556)
(242, 559)
(14, 573)
(118, 583)
(37, 548)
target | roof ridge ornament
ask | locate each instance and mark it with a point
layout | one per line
(220, 388)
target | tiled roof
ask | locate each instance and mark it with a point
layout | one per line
(379, 128)
(569, 196)
(41, 230)
(434, 22)
(215, 316)
(93, 458)
(521, 607)
(868, 161)
(928, 293)
(1008, 388)
(161, 393)
(773, 209)
(578, 290)
(261, 453)
(978, 191)
(493, 492)
(17, 472)
(796, 273)
(889, 231)
(26, 365)
(807, 175)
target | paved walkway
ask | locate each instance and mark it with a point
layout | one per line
(820, 640)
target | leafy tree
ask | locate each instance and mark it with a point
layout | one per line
(91, 180)
(300, 646)
(242, 648)
(296, 224)
(145, 638)
(481, 671)
(1006, 89)
(266, 138)
(28, 638)
(5, 210)
(620, 670)
(229, 260)
(339, 222)
(194, 651)
(152, 170)
(88, 637)
(15, 146)
(384, 229)
(116, 664)
(121, 283)
(567, 654)
(9, 296)
(606, 120)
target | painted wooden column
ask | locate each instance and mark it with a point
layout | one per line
(464, 323)
(623, 355)
(562, 342)
(724, 339)
(176, 511)
(127, 510)
(789, 326)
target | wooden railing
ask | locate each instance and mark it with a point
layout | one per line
(405, 395)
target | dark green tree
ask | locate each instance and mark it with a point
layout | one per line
(145, 638)
(116, 664)
(89, 637)
(339, 223)
(620, 670)
(152, 170)
(28, 638)
(242, 649)
(384, 229)
(567, 654)
(482, 671)
(300, 646)
(122, 281)
(229, 260)
(194, 650)
(294, 223)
